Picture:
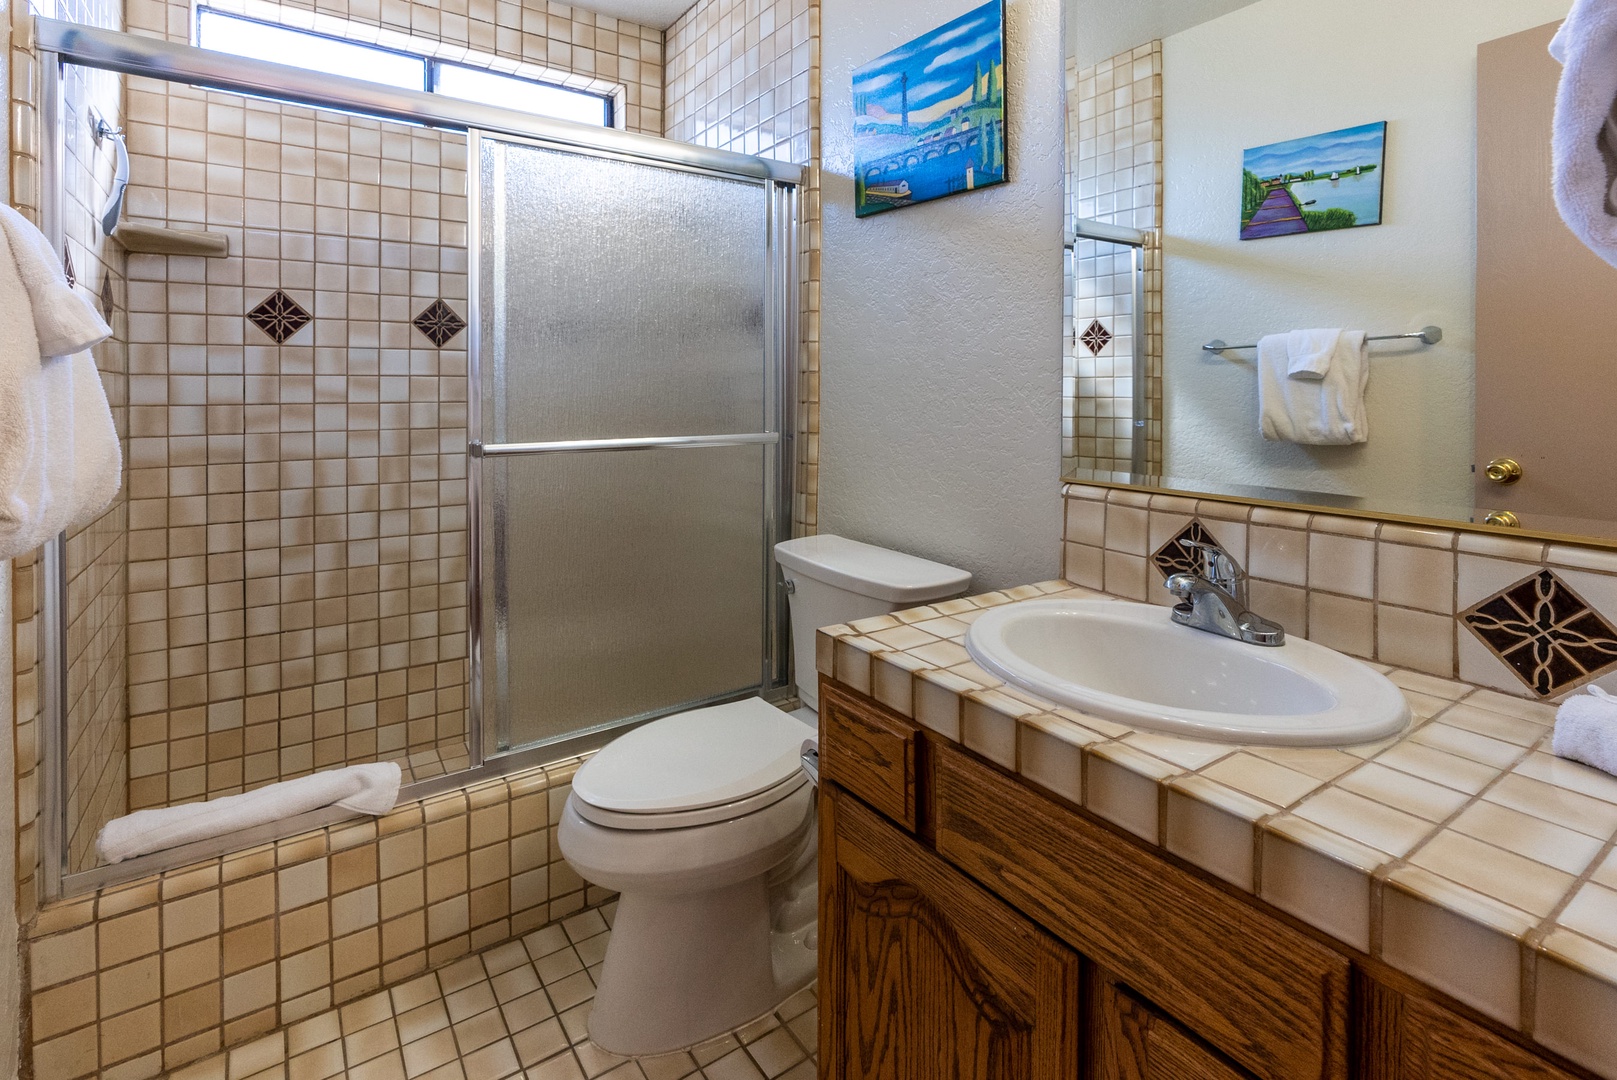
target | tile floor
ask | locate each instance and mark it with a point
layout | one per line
(516, 1010)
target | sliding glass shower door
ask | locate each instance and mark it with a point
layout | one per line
(627, 429)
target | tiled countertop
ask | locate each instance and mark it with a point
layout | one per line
(1461, 852)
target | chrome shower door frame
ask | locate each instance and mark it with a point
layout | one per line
(781, 344)
(58, 43)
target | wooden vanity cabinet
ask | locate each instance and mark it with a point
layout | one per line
(925, 975)
(974, 927)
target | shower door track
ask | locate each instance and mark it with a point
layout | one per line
(58, 43)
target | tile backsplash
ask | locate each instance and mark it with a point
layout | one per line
(1528, 617)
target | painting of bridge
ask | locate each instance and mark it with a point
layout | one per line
(929, 117)
(1314, 184)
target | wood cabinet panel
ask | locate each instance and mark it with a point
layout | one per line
(869, 751)
(1271, 998)
(1128, 1040)
(1441, 1045)
(923, 975)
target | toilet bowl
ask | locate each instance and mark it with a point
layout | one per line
(703, 823)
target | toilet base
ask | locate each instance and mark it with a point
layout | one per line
(683, 969)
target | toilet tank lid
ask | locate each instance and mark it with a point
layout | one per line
(696, 759)
(871, 571)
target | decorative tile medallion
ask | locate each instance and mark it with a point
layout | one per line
(1171, 558)
(280, 316)
(1549, 635)
(1096, 337)
(109, 304)
(67, 267)
(439, 322)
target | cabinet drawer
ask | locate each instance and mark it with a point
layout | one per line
(869, 751)
(1272, 999)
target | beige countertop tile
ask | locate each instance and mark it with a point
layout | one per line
(1501, 855)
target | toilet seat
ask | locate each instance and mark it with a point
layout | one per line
(694, 768)
(686, 819)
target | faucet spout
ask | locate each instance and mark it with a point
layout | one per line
(1214, 599)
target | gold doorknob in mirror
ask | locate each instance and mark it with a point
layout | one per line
(1504, 519)
(1504, 470)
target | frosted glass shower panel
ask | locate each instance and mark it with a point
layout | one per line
(625, 585)
(623, 300)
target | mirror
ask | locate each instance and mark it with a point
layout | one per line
(1230, 179)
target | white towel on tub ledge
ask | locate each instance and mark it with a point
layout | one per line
(365, 789)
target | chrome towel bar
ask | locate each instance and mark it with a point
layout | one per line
(1428, 335)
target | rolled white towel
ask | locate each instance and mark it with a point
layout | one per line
(366, 789)
(1586, 730)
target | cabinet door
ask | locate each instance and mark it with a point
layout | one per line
(923, 975)
(1129, 1040)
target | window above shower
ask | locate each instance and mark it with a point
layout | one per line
(240, 36)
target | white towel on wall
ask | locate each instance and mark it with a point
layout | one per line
(60, 462)
(65, 321)
(365, 789)
(1584, 140)
(1314, 410)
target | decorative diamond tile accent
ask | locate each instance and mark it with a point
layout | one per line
(109, 304)
(439, 322)
(280, 316)
(1096, 337)
(1172, 559)
(67, 268)
(1548, 635)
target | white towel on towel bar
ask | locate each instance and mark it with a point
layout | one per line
(1584, 138)
(365, 789)
(1314, 410)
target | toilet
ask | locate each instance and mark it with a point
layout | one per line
(703, 823)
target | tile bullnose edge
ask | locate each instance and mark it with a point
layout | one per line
(1318, 876)
(1460, 942)
(1575, 999)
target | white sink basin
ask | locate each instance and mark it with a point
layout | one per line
(1128, 663)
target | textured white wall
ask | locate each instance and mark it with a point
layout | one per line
(940, 413)
(1280, 69)
(1097, 29)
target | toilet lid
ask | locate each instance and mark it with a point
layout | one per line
(692, 760)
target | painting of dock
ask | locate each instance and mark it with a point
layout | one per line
(929, 117)
(1315, 184)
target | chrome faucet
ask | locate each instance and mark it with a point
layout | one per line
(1214, 599)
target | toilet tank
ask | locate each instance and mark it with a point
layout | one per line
(834, 580)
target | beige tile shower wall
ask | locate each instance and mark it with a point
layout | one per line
(536, 39)
(298, 531)
(744, 75)
(1114, 170)
(140, 979)
(297, 572)
(97, 555)
(96, 737)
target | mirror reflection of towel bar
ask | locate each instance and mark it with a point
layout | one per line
(1428, 335)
